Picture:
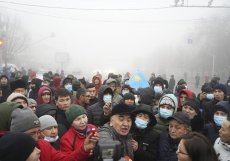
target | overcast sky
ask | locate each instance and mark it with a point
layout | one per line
(109, 35)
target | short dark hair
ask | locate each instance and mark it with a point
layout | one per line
(80, 91)
(82, 80)
(90, 85)
(62, 93)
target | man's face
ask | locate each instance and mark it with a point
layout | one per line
(190, 111)
(21, 101)
(46, 96)
(218, 95)
(34, 133)
(177, 130)
(50, 131)
(21, 91)
(4, 81)
(224, 132)
(87, 97)
(129, 102)
(63, 103)
(92, 92)
(121, 123)
(183, 97)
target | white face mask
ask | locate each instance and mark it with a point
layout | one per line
(210, 96)
(107, 98)
(51, 139)
(229, 84)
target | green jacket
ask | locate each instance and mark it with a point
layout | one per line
(6, 109)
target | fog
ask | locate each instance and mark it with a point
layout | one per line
(86, 36)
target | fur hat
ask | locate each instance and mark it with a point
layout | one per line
(18, 84)
(16, 146)
(47, 121)
(23, 120)
(73, 112)
(122, 109)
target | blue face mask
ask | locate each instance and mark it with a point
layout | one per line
(219, 120)
(69, 87)
(165, 113)
(210, 96)
(157, 89)
(141, 124)
(107, 98)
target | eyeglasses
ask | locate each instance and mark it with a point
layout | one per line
(87, 96)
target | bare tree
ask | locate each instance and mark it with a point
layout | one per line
(12, 36)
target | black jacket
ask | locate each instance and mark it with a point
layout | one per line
(148, 138)
(95, 112)
(148, 144)
(167, 148)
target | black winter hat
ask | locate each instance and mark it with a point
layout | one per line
(128, 96)
(148, 110)
(122, 109)
(221, 87)
(160, 81)
(223, 106)
(18, 84)
(16, 147)
(46, 109)
(194, 103)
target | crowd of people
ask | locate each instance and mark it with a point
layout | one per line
(60, 118)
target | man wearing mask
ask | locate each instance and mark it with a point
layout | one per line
(167, 107)
(222, 144)
(112, 83)
(205, 96)
(220, 92)
(144, 135)
(98, 114)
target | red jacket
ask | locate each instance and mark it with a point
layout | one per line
(48, 153)
(67, 141)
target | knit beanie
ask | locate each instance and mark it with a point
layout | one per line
(16, 147)
(23, 120)
(73, 112)
(18, 84)
(128, 96)
(47, 121)
(169, 99)
(221, 87)
(194, 103)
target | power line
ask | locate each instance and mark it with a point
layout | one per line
(84, 9)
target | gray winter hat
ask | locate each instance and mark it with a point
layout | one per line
(23, 120)
(47, 121)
